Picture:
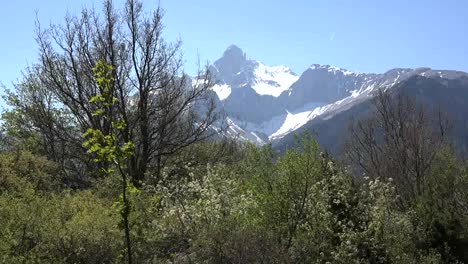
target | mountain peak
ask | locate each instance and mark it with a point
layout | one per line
(233, 47)
(319, 66)
(234, 51)
(231, 64)
(331, 69)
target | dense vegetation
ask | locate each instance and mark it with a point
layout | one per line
(105, 160)
(252, 207)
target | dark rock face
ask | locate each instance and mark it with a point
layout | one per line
(322, 84)
(233, 68)
(246, 105)
(448, 93)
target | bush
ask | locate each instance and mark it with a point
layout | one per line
(23, 168)
(57, 228)
(301, 207)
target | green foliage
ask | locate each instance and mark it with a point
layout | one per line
(42, 223)
(64, 227)
(108, 149)
(203, 201)
(298, 208)
(105, 145)
(441, 208)
(301, 207)
(22, 168)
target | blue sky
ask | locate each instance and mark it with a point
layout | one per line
(364, 35)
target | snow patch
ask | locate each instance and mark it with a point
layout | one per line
(333, 69)
(355, 93)
(280, 125)
(292, 122)
(295, 120)
(272, 80)
(236, 131)
(223, 90)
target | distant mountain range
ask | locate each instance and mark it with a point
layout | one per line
(271, 103)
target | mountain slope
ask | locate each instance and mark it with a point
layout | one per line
(436, 90)
(269, 103)
(234, 71)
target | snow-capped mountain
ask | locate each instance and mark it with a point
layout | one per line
(445, 91)
(266, 103)
(233, 71)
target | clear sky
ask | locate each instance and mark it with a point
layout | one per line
(361, 35)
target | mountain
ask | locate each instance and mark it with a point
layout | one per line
(444, 90)
(271, 103)
(233, 71)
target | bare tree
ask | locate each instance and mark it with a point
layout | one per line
(399, 140)
(37, 122)
(163, 108)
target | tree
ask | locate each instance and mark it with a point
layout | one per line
(106, 146)
(36, 123)
(165, 111)
(403, 143)
(399, 140)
